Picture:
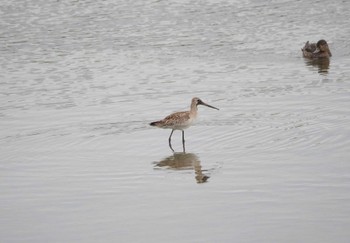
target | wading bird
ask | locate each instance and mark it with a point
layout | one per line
(181, 120)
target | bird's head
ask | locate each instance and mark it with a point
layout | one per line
(198, 101)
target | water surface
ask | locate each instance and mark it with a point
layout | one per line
(81, 80)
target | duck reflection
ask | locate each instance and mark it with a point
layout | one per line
(184, 161)
(321, 63)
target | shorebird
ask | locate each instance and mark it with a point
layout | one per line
(181, 120)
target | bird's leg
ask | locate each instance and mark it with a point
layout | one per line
(183, 140)
(170, 140)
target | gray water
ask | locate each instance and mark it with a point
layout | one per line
(81, 80)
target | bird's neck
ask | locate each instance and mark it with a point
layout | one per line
(193, 111)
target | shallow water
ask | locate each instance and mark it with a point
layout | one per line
(81, 80)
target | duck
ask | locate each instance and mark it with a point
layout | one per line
(316, 50)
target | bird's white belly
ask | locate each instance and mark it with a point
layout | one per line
(183, 125)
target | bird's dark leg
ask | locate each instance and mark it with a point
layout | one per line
(170, 140)
(183, 140)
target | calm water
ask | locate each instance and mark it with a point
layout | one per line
(81, 80)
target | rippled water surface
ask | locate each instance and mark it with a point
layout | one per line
(81, 80)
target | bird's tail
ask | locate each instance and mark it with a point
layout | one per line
(154, 124)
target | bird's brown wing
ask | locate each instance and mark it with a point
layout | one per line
(175, 118)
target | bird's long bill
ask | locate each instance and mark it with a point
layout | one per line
(202, 103)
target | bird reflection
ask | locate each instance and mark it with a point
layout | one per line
(321, 63)
(184, 161)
